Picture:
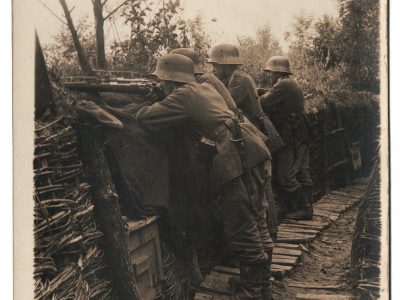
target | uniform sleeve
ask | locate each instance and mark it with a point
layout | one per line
(220, 88)
(275, 97)
(238, 89)
(164, 114)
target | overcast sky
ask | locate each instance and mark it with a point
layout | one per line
(224, 20)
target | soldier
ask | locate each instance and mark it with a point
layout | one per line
(284, 103)
(202, 77)
(240, 167)
(226, 61)
(209, 77)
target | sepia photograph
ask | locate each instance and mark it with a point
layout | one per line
(199, 150)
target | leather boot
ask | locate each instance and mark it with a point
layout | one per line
(249, 284)
(266, 291)
(290, 201)
(304, 211)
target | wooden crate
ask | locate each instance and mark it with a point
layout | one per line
(145, 253)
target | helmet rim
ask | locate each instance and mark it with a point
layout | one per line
(175, 67)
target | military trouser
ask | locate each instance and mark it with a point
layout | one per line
(246, 228)
(293, 167)
(271, 215)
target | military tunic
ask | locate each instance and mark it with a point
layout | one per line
(244, 92)
(219, 87)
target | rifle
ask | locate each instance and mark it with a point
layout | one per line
(95, 85)
(91, 84)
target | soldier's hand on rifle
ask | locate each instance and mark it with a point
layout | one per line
(155, 95)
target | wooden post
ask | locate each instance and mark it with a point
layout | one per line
(108, 214)
(343, 147)
(325, 158)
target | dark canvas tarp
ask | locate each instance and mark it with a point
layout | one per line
(138, 159)
(156, 173)
(143, 167)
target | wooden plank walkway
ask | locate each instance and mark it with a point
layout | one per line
(292, 236)
(324, 297)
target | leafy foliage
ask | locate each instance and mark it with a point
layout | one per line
(313, 55)
(301, 43)
(154, 32)
(256, 52)
(197, 37)
(61, 54)
(326, 53)
(326, 44)
(360, 30)
(155, 28)
(338, 53)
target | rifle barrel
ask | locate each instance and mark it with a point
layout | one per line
(143, 88)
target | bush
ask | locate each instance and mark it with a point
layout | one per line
(256, 52)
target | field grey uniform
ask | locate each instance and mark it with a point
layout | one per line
(201, 108)
(284, 103)
(244, 92)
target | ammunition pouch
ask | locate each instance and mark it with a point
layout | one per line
(240, 144)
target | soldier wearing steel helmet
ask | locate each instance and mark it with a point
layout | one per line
(193, 167)
(241, 206)
(207, 77)
(226, 62)
(284, 103)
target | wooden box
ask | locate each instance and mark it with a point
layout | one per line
(145, 253)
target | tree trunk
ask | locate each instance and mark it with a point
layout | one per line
(83, 61)
(99, 21)
(108, 214)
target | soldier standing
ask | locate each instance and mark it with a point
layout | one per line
(240, 167)
(209, 77)
(226, 61)
(284, 103)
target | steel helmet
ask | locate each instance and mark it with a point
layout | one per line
(225, 54)
(278, 64)
(189, 52)
(175, 67)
